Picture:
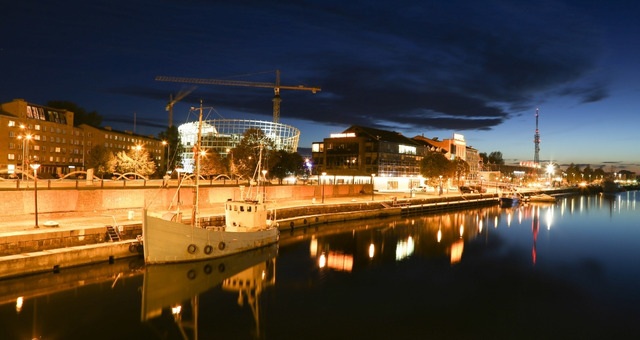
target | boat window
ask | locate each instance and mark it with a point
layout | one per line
(235, 208)
(242, 208)
(249, 208)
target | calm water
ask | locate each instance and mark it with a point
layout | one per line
(566, 270)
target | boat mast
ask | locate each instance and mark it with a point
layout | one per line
(196, 157)
(260, 195)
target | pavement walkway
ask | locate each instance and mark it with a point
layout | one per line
(25, 224)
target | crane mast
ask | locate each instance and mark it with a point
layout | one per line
(275, 86)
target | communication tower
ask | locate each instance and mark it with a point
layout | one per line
(536, 142)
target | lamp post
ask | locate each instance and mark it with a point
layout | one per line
(25, 148)
(264, 186)
(166, 159)
(550, 172)
(35, 167)
(372, 187)
(135, 164)
(440, 187)
(323, 174)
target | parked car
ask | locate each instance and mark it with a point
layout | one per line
(425, 188)
(466, 190)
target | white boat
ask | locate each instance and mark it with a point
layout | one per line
(541, 198)
(249, 224)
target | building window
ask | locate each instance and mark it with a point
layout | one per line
(12, 123)
(11, 156)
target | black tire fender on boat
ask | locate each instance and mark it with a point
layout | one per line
(192, 248)
(132, 248)
(221, 245)
(191, 274)
(208, 249)
(221, 268)
(207, 269)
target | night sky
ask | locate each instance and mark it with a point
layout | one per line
(432, 68)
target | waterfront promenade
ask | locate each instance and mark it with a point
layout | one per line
(71, 239)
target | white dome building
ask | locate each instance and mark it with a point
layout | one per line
(223, 135)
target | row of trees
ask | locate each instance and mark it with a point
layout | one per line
(240, 163)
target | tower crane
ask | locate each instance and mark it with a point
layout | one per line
(275, 86)
(173, 100)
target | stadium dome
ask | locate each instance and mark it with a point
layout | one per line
(222, 135)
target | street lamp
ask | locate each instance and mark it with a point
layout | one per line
(166, 159)
(264, 186)
(25, 147)
(323, 174)
(35, 167)
(550, 171)
(372, 187)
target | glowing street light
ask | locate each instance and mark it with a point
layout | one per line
(25, 148)
(264, 185)
(166, 159)
(550, 170)
(35, 167)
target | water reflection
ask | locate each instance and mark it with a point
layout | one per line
(566, 267)
(172, 291)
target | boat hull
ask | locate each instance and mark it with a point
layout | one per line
(506, 202)
(168, 241)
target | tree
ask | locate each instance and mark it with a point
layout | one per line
(285, 164)
(173, 149)
(434, 165)
(495, 157)
(245, 156)
(211, 164)
(98, 159)
(460, 167)
(137, 161)
(80, 115)
(574, 174)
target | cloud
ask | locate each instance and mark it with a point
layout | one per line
(443, 65)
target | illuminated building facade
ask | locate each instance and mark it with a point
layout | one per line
(33, 133)
(362, 151)
(222, 135)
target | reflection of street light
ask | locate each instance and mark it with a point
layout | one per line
(35, 167)
(372, 186)
(323, 174)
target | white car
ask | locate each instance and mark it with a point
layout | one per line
(425, 188)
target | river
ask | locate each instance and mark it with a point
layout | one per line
(560, 270)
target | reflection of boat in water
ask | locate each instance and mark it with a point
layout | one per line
(541, 198)
(249, 224)
(611, 188)
(169, 287)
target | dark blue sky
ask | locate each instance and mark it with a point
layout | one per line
(478, 68)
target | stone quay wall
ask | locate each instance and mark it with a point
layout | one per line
(56, 201)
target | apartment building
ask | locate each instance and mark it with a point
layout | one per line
(32, 133)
